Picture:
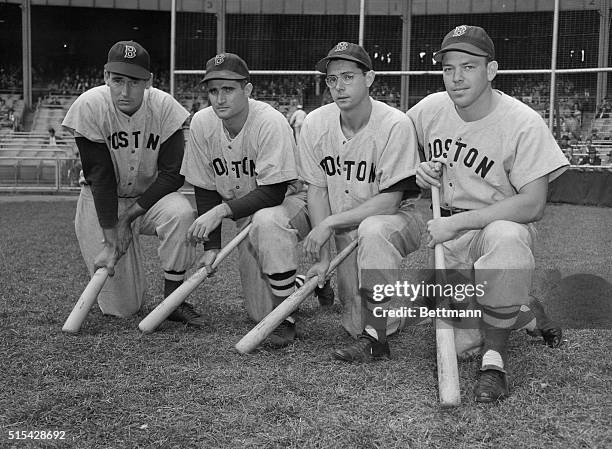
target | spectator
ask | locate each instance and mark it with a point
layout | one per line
(604, 109)
(567, 149)
(52, 140)
(296, 121)
(577, 113)
(592, 158)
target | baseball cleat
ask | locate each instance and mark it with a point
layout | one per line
(325, 294)
(491, 386)
(367, 349)
(186, 314)
(283, 335)
(545, 327)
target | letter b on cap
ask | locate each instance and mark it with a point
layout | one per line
(130, 52)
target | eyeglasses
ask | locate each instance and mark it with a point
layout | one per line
(122, 82)
(346, 77)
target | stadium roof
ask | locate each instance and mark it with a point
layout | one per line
(373, 7)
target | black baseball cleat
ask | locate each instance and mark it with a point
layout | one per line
(367, 349)
(491, 386)
(325, 295)
(283, 335)
(545, 327)
(185, 313)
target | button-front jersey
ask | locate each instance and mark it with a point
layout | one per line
(354, 170)
(133, 141)
(262, 153)
(489, 159)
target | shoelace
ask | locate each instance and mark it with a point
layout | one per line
(490, 378)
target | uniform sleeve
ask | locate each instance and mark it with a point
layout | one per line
(416, 117)
(173, 117)
(399, 159)
(168, 166)
(196, 166)
(85, 117)
(537, 155)
(205, 201)
(308, 161)
(276, 157)
(100, 175)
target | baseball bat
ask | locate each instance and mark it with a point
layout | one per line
(88, 297)
(448, 373)
(265, 327)
(176, 298)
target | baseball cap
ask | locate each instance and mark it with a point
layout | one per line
(467, 39)
(347, 51)
(226, 66)
(129, 58)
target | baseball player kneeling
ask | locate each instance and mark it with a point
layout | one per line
(240, 159)
(492, 158)
(359, 158)
(131, 144)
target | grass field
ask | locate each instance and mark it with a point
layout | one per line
(112, 387)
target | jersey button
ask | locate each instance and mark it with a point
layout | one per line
(346, 191)
(129, 183)
(237, 187)
(451, 164)
(131, 168)
(133, 151)
(450, 184)
(229, 146)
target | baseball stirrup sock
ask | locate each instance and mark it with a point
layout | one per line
(172, 281)
(282, 285)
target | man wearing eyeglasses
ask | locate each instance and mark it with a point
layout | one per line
(131, 144)
(359, 158)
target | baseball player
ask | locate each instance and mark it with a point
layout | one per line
(492, 158)
(358, 156)
(297, 120)
(131, 144)
(240, 159)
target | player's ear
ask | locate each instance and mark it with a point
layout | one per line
(491, 70)
(248, 89)
(149, 82)
(106, 77)
(369, 77)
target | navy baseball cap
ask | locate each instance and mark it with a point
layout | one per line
(226, 66)
(347, 51)
(467, 39)
(129, 58)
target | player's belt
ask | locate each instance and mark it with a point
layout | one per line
(446, 212)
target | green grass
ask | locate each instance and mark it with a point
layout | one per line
(112, 387)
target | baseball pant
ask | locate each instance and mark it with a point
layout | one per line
(501, 255)
(168, 219)
(383, 241)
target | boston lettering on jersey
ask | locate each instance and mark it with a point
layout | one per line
(121, 139)
(469, 157)
(355, 171)
(244, 166)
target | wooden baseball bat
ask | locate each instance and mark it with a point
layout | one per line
(176, 298)
(265, 327)
(88, 298)
(448, 373)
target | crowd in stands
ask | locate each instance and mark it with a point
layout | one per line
(11, 112)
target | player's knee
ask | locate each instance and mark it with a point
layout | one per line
(268, 218)
(507, 232)
(371, 228)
